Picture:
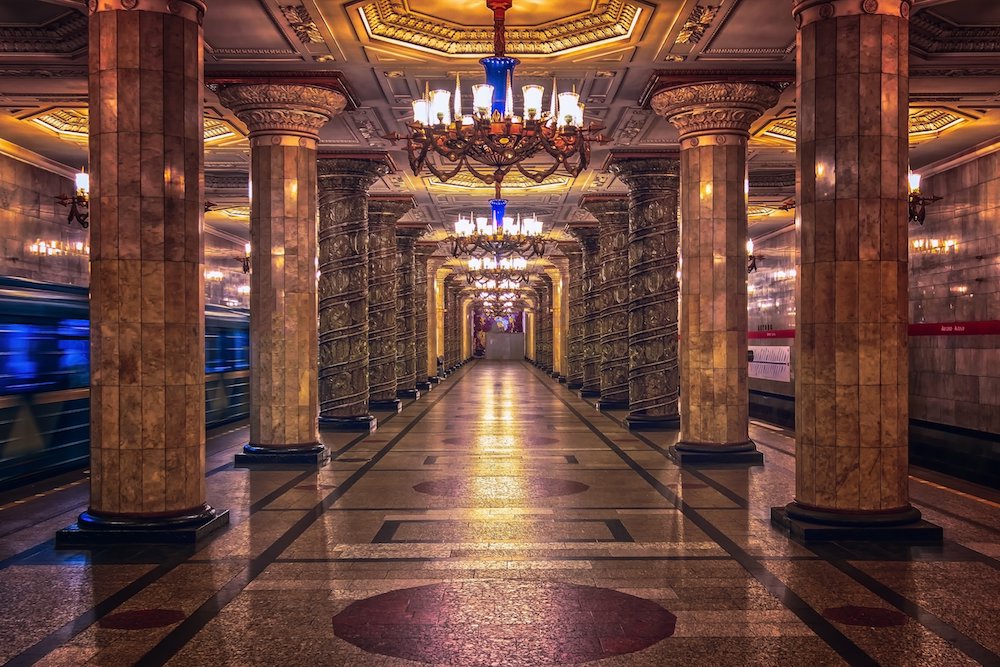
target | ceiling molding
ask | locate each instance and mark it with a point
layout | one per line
(933, 34)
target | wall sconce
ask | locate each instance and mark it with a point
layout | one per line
(79, 200)
(245, 259)
(918, 204)
(751, 258)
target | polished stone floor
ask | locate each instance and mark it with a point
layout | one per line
(500, 520)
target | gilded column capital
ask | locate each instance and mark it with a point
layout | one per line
(192, 10)
(276, 109)
(350, 174)
(810, 11)
(714, 108)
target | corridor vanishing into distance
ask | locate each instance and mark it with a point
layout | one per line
(501, 520)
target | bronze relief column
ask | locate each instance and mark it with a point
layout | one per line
(422, 255)
(577, 306)
(343, 290)
(653, 373)
(284, 123)
(383, 212)
(545, 323)
(713, 121)
(406, 323)
(612, 216)
(588, 237)
(851, 381)
(147, 295)
(451, 288)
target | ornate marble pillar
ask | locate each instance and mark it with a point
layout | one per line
(147, 304)
(406, 321)
(284, 122)
(544, 289)
(713, 121)
(422, 255)
(383, 212)
(577, 307)
(653, 374)
(451, 317)
(588, 237)
(851, 380)
(343, 291)
(612, 216)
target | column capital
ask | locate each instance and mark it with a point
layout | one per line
(351, 173)
(714, 108)
(388, 209)
(653, 172)
(570, 248)
(602, 206)
(411, 233)
(192, 10)
(810, 11)
(278, 110)
(425, 250)
(586, 235)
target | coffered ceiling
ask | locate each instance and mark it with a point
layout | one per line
(613, 51)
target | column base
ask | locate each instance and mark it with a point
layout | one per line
(434, 379)
(96, 530)
(642, 422)
(561, 378)
(590, 393)
(573, 386)
(386, 405)
(313, 454)
(693, 453)
(810, 525)
(360, 423)
(605, 404)
(412, 394)
(424, 385)
(553, 374)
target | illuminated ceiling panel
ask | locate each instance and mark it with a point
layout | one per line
(926, 123)
(72, 124)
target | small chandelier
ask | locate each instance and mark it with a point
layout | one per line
(245, 259)
(492, 140)
(751, 258)
(492, 272)
(79, 202)
(498, 235)
(917, 203)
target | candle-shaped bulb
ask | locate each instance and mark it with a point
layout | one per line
(458, 97)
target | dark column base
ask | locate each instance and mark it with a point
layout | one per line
(573, 386)
(605, 404)
(424, 385)
(388, 405)
(809, 525)
(96, 530)
(554, 374)
(359, 423)
(412, 394)
(434, 379)
(641, 422)
(562, 379)
(590, 393)
(312, 454)
(744, 454)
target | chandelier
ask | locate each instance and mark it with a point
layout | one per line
(78, 202)
(498, 235)
(491, 272)
(492, 140)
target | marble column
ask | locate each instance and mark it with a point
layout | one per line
(343, 291)
(284, 122)
(713, 120)
(588, 237)
(612, 216)
(406, 321)
(653, 374)
(147, 304)
(422, 255)
(577, 307)
(544, 289)
(383, 212)
(851, 380)
(451, 317)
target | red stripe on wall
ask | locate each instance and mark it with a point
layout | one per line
(778, 333)
(984, 328)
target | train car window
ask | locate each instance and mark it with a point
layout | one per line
(239, 348)
(43, 357)
(215, 359)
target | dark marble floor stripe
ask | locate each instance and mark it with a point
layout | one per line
(824, 629)
(174, 641)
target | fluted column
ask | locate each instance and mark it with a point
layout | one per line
(420, 295)
(577, 307)
(284, 122)
(612, 217)
(713, 121)
(851, 380)
(147, 373)
(343, 291)
(383, 212)
(653, 372)
(588, 237)
(406, 322)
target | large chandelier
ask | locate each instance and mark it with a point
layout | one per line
(492, 140)
(491, 272)
(498, 235)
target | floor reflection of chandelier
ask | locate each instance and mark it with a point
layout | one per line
(498, 235)
(490, 271)
(492, 140)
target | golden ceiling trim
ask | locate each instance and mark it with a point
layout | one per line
(926, 123)
(513, 181)
(393, 21)
(72, 124)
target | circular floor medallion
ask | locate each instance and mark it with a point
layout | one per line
(141, 619)
(509, 623)
(500, 487)
(871, 617)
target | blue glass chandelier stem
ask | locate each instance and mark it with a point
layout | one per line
(499, 207)
(498, 70)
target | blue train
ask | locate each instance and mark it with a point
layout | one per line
(45, 369)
